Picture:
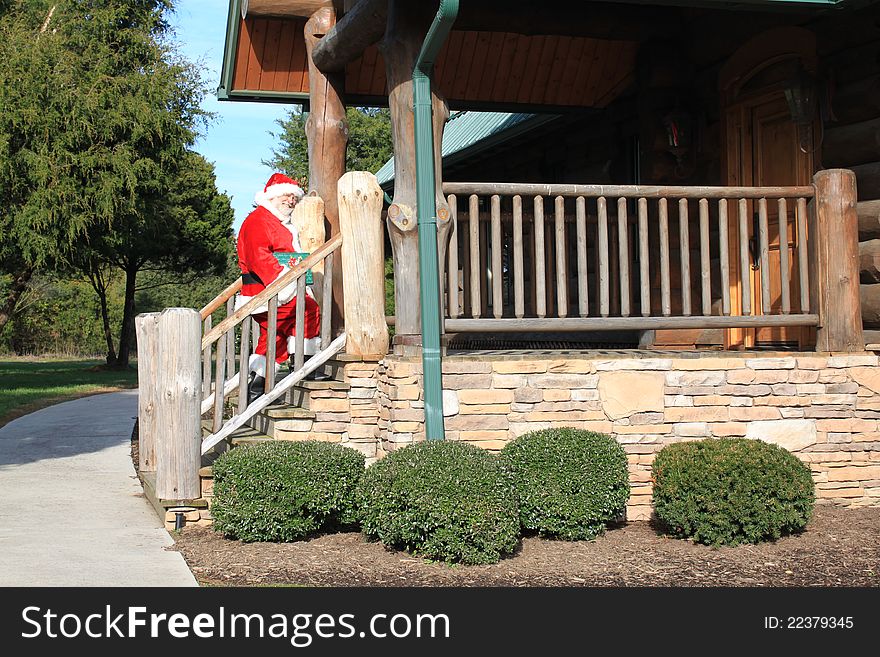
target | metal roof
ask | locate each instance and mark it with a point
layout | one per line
(472, 131)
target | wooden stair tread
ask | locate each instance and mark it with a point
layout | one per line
(322, 385)
(289, 413)
(351, 358)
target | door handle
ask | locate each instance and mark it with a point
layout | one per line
(753, 243)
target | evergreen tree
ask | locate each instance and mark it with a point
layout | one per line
(98, 116)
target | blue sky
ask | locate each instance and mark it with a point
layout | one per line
(239, 138)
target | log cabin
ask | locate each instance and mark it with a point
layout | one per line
(697, 183)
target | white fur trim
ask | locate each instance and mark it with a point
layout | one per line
(278, 190)
(310, 345)
(257, 365)
(241, 300)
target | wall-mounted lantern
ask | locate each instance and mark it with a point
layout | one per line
(802, 94)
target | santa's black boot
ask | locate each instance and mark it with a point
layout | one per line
(317, 375)
(256, 388)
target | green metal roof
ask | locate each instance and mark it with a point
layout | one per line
(469, 132)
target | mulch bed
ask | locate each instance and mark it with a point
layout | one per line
(840, 547)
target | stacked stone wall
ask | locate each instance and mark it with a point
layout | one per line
(824, 408)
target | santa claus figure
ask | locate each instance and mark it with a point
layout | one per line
(265, 238)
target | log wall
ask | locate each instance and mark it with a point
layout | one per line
(851, 136)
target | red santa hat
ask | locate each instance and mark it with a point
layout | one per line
(278, 185)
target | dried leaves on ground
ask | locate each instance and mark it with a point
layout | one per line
(840, 547)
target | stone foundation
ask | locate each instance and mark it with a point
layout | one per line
(823, 408)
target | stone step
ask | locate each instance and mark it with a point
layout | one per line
(282, 418)
(300, 395)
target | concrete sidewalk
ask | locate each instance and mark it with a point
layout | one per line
(72, 511)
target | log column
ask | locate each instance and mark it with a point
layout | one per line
(407, 27)
(327, 133)
(360, 216)
(834, 247)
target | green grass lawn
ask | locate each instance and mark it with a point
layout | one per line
(27, 385)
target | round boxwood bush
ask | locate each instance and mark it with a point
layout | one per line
(730, 491)
(443, 500)
(570, 482)
(285, 490)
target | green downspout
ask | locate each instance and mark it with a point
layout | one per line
(429, 280)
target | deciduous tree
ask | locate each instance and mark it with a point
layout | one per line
(369, 142)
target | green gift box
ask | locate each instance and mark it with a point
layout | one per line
(291, 259)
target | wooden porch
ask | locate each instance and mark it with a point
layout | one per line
(531, 271)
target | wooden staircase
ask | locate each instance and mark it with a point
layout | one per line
(289, 418)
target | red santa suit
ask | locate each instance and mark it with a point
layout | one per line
(264, 232)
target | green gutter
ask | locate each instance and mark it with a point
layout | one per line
(429, 279)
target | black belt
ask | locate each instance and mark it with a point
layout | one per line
(250, 279)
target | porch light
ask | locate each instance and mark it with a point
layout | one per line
(802, 94)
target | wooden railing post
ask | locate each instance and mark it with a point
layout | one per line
(308, 217)
(146, 327)
(363, 263)
(834, 238)
(178, 383)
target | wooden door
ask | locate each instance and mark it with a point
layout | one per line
(764, 149)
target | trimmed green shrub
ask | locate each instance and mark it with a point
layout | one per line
(730, 491)
(442, 500)
(284, 491)
(570, 483)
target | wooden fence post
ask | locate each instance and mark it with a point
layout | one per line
(178, 426)
(834, 237)
(363, 264)
(308, 217)
(147, 332)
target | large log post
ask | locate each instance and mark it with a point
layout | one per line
(146, 326)
(178, 412)
(408, 24)
(327, 133)
(834, 232)
(283, 7)
(308, 218)
(360, 220)
(361, 27)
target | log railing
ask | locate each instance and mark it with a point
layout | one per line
(226, 348)
(536, 257)
(188, 367)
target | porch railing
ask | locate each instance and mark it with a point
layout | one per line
(537, 257)
(232, 341)
(188, 368)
